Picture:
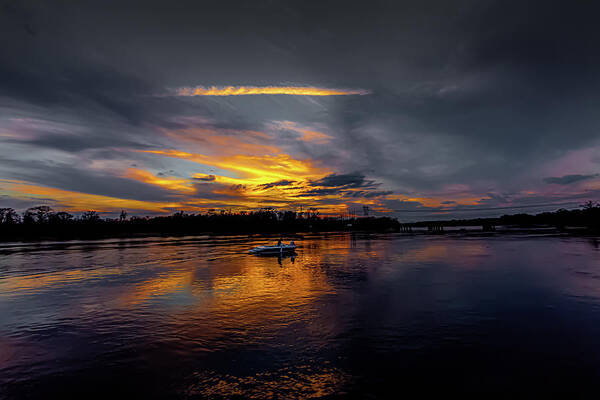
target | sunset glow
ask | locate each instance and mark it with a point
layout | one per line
(340, 123)
(256, 90)
(299, 199)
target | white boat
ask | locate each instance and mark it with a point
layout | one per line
(283, 249)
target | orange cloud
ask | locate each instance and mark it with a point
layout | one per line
(307, 135)
(254, 170)
(314, 136)
(76, 201)
(176, 184)
(254, 90)
(229, 141)
(249, 186)
(231, 144)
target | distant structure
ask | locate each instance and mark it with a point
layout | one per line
(366, 211)
(435, 227)
(488, 227)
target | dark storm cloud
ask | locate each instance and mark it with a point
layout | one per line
(345, 185)
(354, 180)
(569, 179)
(23, 203)
(344, 193)
(482, 94)
(368, 194)
(67, 177)
(282, 182)
(320, 192)
(76, 143)
(79, 84)
(493, 105)
(207, 178)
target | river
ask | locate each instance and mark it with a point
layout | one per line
(350, 316)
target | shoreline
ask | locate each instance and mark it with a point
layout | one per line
(448, 231)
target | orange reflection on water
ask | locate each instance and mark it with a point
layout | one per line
(300, 382)
(242, 294)
(19, 285)
(161, 286)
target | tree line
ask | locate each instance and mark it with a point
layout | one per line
(587, 216)
(42, 222)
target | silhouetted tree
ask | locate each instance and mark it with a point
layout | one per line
(288, 216)
(90, 216)
(9, 216)
(42, 222)
(39, 214)
(589, 205)
(61, 217)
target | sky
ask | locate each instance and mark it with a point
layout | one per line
(415, 109)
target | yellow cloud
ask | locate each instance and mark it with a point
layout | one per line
(244, 189)
(176, 184)
(253, 90)
(77, 201)
(254, 170)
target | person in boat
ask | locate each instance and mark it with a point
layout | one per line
(279, 243)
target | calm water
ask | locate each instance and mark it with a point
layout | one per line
(350, 316)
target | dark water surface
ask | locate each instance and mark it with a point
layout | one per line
(359, 316)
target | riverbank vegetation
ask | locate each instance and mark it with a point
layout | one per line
(42, 222)
(587, 216)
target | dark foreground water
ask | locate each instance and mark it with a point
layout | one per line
(357, 316)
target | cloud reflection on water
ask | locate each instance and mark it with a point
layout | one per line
(228, 323)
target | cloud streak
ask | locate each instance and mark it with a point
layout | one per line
(569, 179)
(398, 117)
(269, 90)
